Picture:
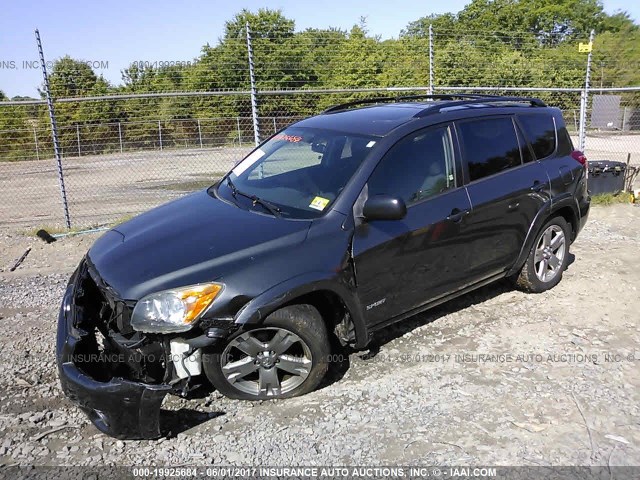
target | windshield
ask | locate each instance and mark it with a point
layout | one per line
(298, 172)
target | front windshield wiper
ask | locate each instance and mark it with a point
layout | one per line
(270, 207)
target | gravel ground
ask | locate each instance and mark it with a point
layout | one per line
(497, 377)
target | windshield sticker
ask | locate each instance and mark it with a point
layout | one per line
(319, 203)
(371, 143)
(287, 138)
(247, 162)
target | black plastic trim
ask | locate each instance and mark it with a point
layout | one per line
(120, 408)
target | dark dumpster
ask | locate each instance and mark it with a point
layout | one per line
(606, 176)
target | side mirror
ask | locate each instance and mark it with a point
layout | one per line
(384, 207)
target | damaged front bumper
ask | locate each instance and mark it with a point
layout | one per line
(118, 376)
(118, 407)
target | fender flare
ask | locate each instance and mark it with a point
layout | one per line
(257, 309)
(545, 212)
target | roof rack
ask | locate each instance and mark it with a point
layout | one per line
(465, 99)
(344, 106)
(532, 101)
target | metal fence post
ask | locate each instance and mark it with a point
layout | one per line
(78, 137)
(199, 133)
(239, 131)
(160, 134)
(120, 135)
(430, 59)
(254, 92)
(35, 138)
(54, 131)
(584, 98)
(581, 122)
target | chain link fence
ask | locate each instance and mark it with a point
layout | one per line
(124, 153)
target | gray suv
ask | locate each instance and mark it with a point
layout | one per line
(333, 228)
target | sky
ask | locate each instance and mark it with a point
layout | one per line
(113, 34)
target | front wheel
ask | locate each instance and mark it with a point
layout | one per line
(286, 356)
(548, 257)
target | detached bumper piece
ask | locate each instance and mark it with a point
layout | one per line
(92, 376)
(119, 408)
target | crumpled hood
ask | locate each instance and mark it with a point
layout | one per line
(192, 240)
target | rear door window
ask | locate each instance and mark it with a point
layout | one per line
(490, 146)
(540, 130)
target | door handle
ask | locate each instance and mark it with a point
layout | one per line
(537, 186)
(457, 215)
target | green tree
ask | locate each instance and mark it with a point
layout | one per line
(618, 22)
(358, 62)
(15, 132)
(95, 122)
(441, 23)
(266, 24)
(226, 65)
(549, 21)
(406, 62)
(137, 79)
(615, 58)
(528, 43)
(72, 78)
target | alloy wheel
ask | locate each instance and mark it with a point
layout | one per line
(549, 254)
(268, 361)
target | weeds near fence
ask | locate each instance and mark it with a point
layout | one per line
(611, 198)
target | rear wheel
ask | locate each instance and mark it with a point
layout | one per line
(286, 356)
(548, 257)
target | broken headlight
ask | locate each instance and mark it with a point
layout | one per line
(173, 310)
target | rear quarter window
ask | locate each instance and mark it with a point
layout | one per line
(565, 145)
(540, 131)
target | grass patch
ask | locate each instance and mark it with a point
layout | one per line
(189, 185)
(611, 198)
(56, 230)
(120, 220)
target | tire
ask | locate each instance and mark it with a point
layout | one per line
(285, 356)
(547, 259)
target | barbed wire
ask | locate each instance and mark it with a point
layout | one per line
(302, 60)
(171, 128)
